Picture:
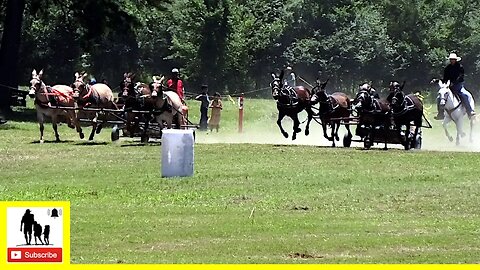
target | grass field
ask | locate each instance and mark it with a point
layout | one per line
(311, 204)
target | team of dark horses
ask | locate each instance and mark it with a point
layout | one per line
(397, 111)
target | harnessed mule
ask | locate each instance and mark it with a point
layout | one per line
(92, 96)
(169, 108)
(136, 97)
(407, 110)
(373, 113)
(290, 102)
(331, 109)
(47, 98)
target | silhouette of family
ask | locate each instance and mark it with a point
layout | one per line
(30, 225)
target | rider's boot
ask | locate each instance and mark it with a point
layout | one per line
(467, 105)
(441, 112)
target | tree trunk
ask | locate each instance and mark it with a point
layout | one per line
(9, 50)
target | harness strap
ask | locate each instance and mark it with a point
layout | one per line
(89, 93)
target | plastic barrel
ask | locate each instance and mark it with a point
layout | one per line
(177, 153)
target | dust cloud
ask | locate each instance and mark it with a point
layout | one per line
(434, 139)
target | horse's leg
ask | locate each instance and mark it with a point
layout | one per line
(145, 128)
(445, 122)
(72, 114)
(332, 123)
(471, 129)
(309, 119)
(41, 119)
(349, 132)
(55, 127)
(70, 119)
(460, 132)
(94, 126)
(100, 124)
(281, 115)
(324, 127)
(336, 130)
(296, 124)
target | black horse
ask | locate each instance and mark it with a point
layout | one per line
(373, 114)
(136, 97)
(407, 110)
(290, 102)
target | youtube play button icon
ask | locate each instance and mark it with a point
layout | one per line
(15, 255)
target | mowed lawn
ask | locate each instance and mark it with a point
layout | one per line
(250, 203)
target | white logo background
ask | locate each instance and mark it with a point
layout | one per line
(16, 238)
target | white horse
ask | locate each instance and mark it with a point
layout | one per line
(454, 110)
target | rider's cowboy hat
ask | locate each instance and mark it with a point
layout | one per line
(454, 56)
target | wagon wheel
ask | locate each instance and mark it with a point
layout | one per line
(115, 135)
(418, 141)
(347, 140)
(408, 142)
(144, 138)
(367, 141)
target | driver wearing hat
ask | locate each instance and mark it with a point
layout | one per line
(175, 84)
(455, 73)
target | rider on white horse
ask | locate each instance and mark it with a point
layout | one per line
(455, 73)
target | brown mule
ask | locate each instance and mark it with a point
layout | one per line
(59, 95)
(332, 108)
(92, 96)
(290, 102)
(169, 108)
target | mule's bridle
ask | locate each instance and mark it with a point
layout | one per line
(276, 89)
(87, 87)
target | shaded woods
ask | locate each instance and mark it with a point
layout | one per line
(233, 45)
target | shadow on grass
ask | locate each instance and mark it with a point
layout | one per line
(141, 144)
(91, 143)
(50, 141)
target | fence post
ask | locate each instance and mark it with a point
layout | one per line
(240, 114)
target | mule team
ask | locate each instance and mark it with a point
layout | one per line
(399, 111)
(166, 107)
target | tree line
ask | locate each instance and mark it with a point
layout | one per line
(233, 45)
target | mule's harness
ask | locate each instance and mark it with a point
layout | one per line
(405, 106)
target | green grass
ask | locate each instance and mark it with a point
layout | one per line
(326, 205)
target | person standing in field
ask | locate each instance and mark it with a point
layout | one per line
(216, 106)
(205, 102)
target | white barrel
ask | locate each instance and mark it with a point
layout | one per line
(177, 153)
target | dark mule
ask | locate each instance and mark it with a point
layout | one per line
(373, 113)
(331, 109)
(136, 97)
(407, 110)
(290, 102)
